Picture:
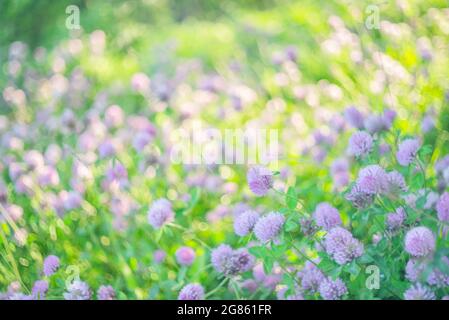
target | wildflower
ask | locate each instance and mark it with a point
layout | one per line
(407, 151)
(419, 242)
(388, 118)
(140, 82)
(245, 222)
(269, 226)
(431, 199)
(442, 207)
(339, 165)
(40, 288)
(307, 226)
(372, 180)
(342, 246)
(428, 123)
(269, 281)
(71, 200)
(311, 277)
(106, 293)
(326, 216)
(192, 291)
(414, 269)
(114, 116)
(185, 256)
(374, 124)
(396, 219)
(47, 176)
(332, 289)
(160, 213)
(159, 256)
(439, 277)
(396, 182)
(141, 140)
(442, 164)
(77, 290)
(51, 264)
(419, 292)
(250, 285)
(116, 176)
(260, 180)
(360, 144)
(230, 262)
(359, 198)
(34, 159)
(354, 117)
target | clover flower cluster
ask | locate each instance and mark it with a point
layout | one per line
(192, 291)
(269, 226)
(230, 262)
(326, 216)
(160, 213)
(260, 180)
(342, 246)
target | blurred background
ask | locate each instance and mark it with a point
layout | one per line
(294, 66)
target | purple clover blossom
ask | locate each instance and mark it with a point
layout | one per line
(141, 140)
(308, 227)
(372, 180)
(116, 177)
(419, 292)
(396, 219)
(51, 264)
(342, 246)
(230, 262)
(78, 290)
(442, 207)
(326, 216)
(185, 256)
(311, 277)
(192, 291)
(260, 180)
(160, 213)
(39, 290)
(359, 198)
(407, 151)
(159, 256)
(250, 284)
(388, 118)
(269, 281)
(339, 165)
(220, 257)
(431, 200)
(106, 293)
(114, 116)
(439, 277)
(354, 117)
(332, 289)
(413, 269)
(419, 242)
(269, 226)
(396, 182)
(20, 296)
(244, 223)
(374, 124)
(442, 164)
(360, 144)
(428, 123)
(295, 296)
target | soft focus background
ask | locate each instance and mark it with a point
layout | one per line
(294, 66)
